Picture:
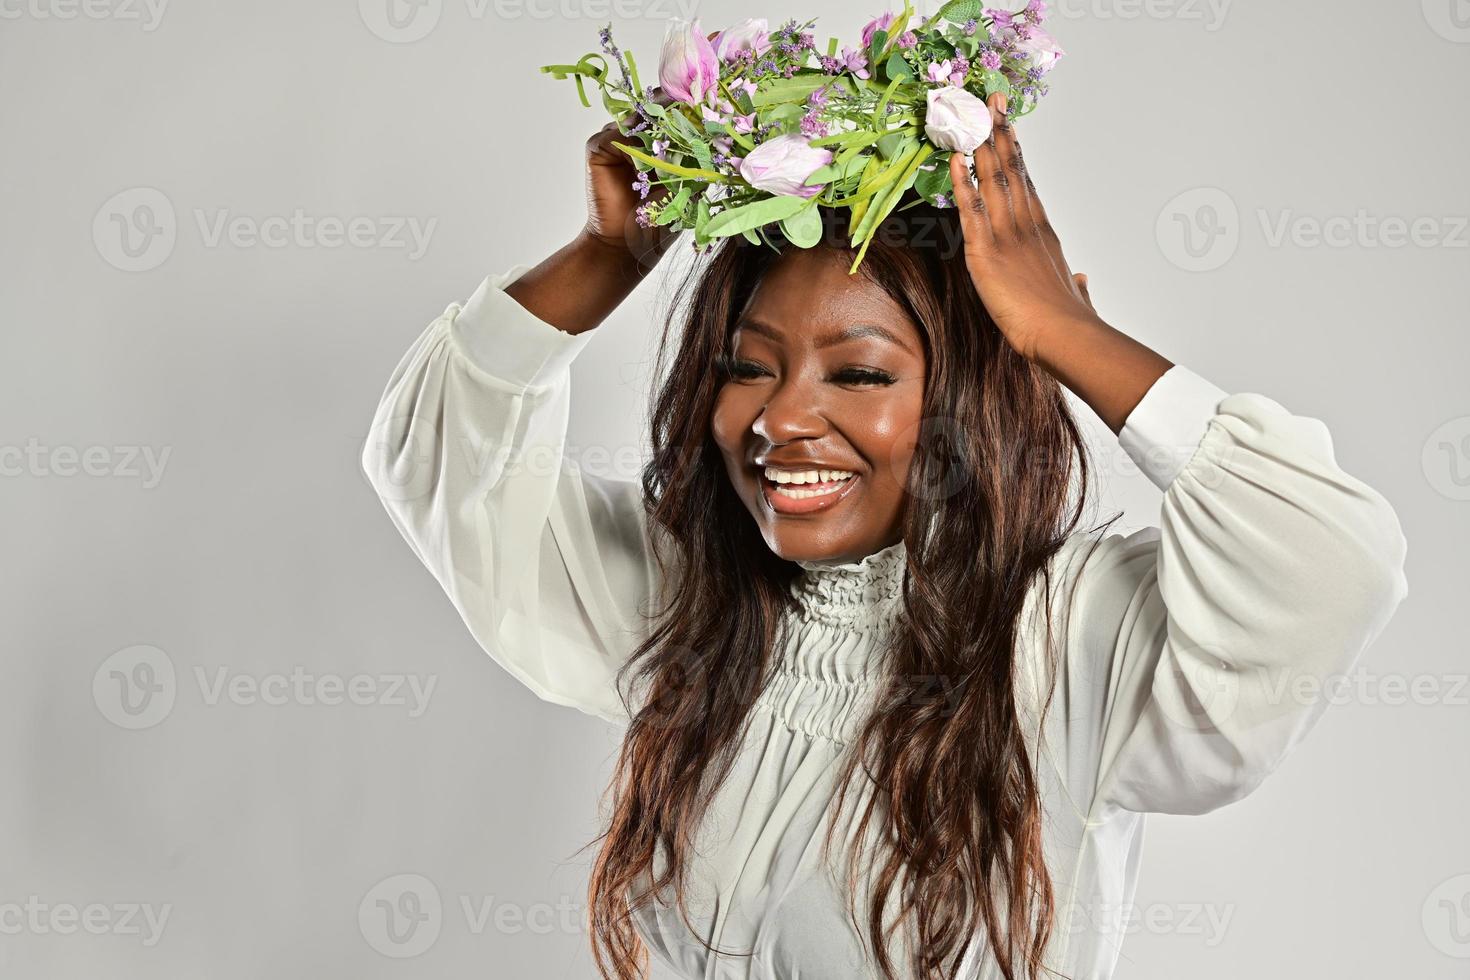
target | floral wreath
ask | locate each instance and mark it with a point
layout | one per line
(756, 129)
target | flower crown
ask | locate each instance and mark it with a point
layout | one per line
(762, 129)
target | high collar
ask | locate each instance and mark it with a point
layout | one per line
(862, 593)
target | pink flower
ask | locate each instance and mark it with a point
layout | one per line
(855, 62)
(782, 165)
(956, 119)
(688, 68)
(884, 22)
(749, 35)
(1041, 47)
(940, 70)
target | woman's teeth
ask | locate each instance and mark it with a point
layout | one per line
(789, 482)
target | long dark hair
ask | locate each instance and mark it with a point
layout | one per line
(954, 791)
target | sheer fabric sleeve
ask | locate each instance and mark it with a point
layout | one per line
(1188, 652)
(547, 563)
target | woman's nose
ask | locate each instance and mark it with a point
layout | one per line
(791, 412)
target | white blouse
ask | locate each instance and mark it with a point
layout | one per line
(1176, 654)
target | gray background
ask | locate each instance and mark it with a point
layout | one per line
(257, 549)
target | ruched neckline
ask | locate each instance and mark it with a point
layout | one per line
(860, 594)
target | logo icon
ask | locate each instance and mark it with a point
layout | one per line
(401, 916)
(400, 21)
(1446, 459)
(1450, 19)
(135, 229)
(135, 687)
(1447, 917)
(1199, 230)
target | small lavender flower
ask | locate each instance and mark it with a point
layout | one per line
(908, 39)
(643, 214)
(970, 26)
(812, 126)
(641, 184)
(830, 65)
(941, 201)
(660, 147)
(605, 35)
(991, 60)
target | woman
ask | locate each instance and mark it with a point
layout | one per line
(872, 673)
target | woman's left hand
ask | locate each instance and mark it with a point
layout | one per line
(1013, 254)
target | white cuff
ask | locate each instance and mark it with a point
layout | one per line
(506, 341)
(1166, 426)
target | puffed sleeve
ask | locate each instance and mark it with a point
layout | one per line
(1190, 651)
(547, 562)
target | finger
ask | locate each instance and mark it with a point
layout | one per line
(973, 218)
(1008, 149)
(995, 189)
(1081, 280)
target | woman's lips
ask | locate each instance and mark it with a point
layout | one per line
(833, 492)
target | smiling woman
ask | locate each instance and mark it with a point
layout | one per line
(853, 572)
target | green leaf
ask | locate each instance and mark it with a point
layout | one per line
(733, 221)
(994, 82)
(895, 143)
(670, 168)
(876, 46)
(752, 237)
(804, 228)
(897, 68)
(959, 11)
(935, 180)
(675, 208)
(798, 87)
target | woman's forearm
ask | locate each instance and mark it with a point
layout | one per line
(1101, 365)
(580, 284)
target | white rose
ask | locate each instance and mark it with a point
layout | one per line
(956, 120)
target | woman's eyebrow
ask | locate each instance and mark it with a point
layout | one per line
(855, 332)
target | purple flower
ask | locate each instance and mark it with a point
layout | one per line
(1036, 11)
(970, 26)
(749, 35)
(991, 60)
(940, 71)
(781, 166)
(855, 62)
(641, 185)
(884, 22)
(830, 65)
(660, 147)
(1041, 48)
(688, 68)
(908, 39)
(941, 201)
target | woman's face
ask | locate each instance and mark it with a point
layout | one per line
(818, 421)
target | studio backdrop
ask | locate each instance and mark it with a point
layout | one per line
(243, 733)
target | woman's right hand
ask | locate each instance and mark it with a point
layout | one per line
(612, 201)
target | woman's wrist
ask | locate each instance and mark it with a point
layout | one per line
(580, 284)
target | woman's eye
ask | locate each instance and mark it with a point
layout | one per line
(736, 368)
(865, 376)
